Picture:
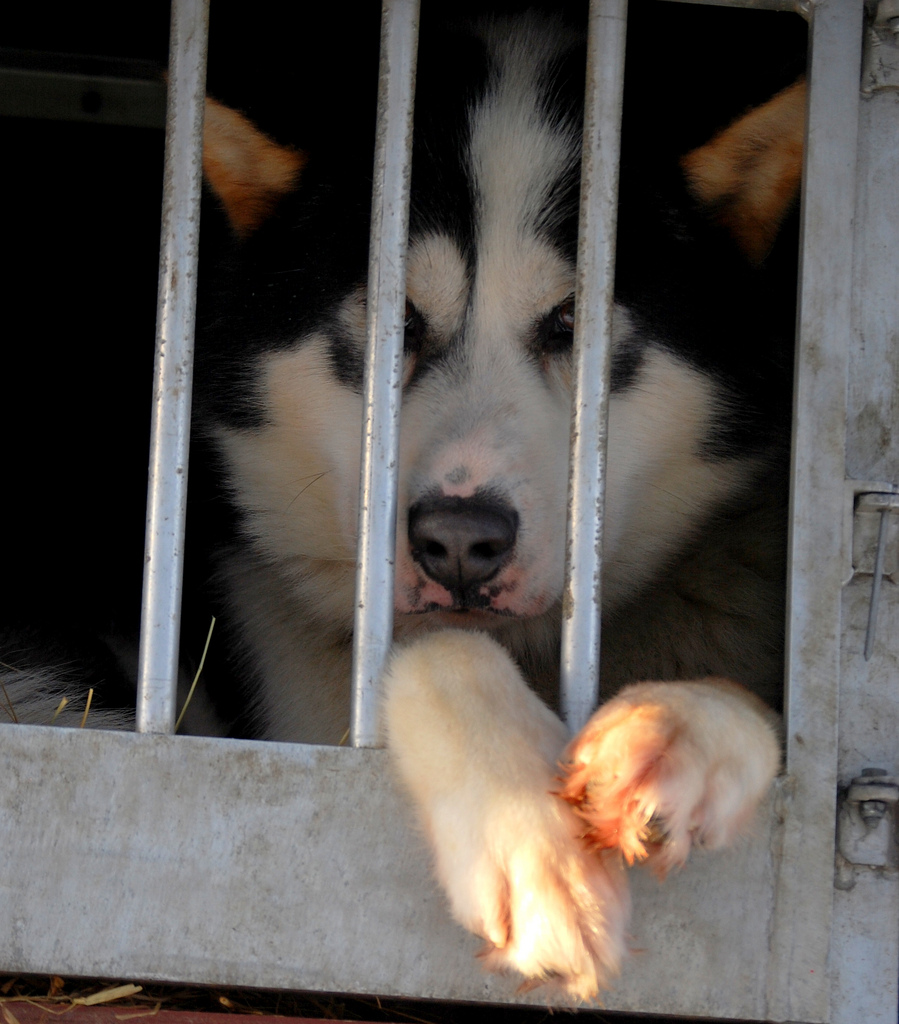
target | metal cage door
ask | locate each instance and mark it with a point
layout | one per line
(281, 866)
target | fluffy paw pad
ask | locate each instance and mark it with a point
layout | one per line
(563, 914)
(666, 766)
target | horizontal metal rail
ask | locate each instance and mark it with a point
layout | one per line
(802, 7)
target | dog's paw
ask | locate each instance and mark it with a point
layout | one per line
(548, 909)
(665, 766)
(477, 750)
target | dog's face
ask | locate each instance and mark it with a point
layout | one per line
(488, 363)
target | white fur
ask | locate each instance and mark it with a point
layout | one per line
(477, 751)
(54, 697)
(697, 756)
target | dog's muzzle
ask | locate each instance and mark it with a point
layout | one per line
(462, 544)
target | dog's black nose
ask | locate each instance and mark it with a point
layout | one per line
(462, 542)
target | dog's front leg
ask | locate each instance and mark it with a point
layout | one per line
(478, 752)
(665, 766)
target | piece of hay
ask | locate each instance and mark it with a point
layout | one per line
(193, 685)
(107, 995)
(87, 707)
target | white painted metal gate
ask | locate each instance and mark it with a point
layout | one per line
(211, 861)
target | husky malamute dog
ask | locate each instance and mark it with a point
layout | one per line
(694, 524)
(693, 549)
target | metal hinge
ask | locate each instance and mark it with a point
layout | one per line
(880, 58)
(865, 829)
(874, 542)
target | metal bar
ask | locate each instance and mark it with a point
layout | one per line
(62, 96)
(801, 934)
(802, 7)
(825, 324)
(286, 865)
(373, 631)
(173, 376)
(579, 682)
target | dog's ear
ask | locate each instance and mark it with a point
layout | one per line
(749, 174)
(247, 170)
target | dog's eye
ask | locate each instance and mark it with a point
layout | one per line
(556, 331)
(415, 330)
(565, 316)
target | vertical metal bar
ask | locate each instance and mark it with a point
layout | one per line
(800, 937)
(173, 376)
(581, 608)
(382, 385)
(825, 327)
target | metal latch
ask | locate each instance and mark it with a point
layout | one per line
(863, 840)
(875, 529)
(880, 60)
